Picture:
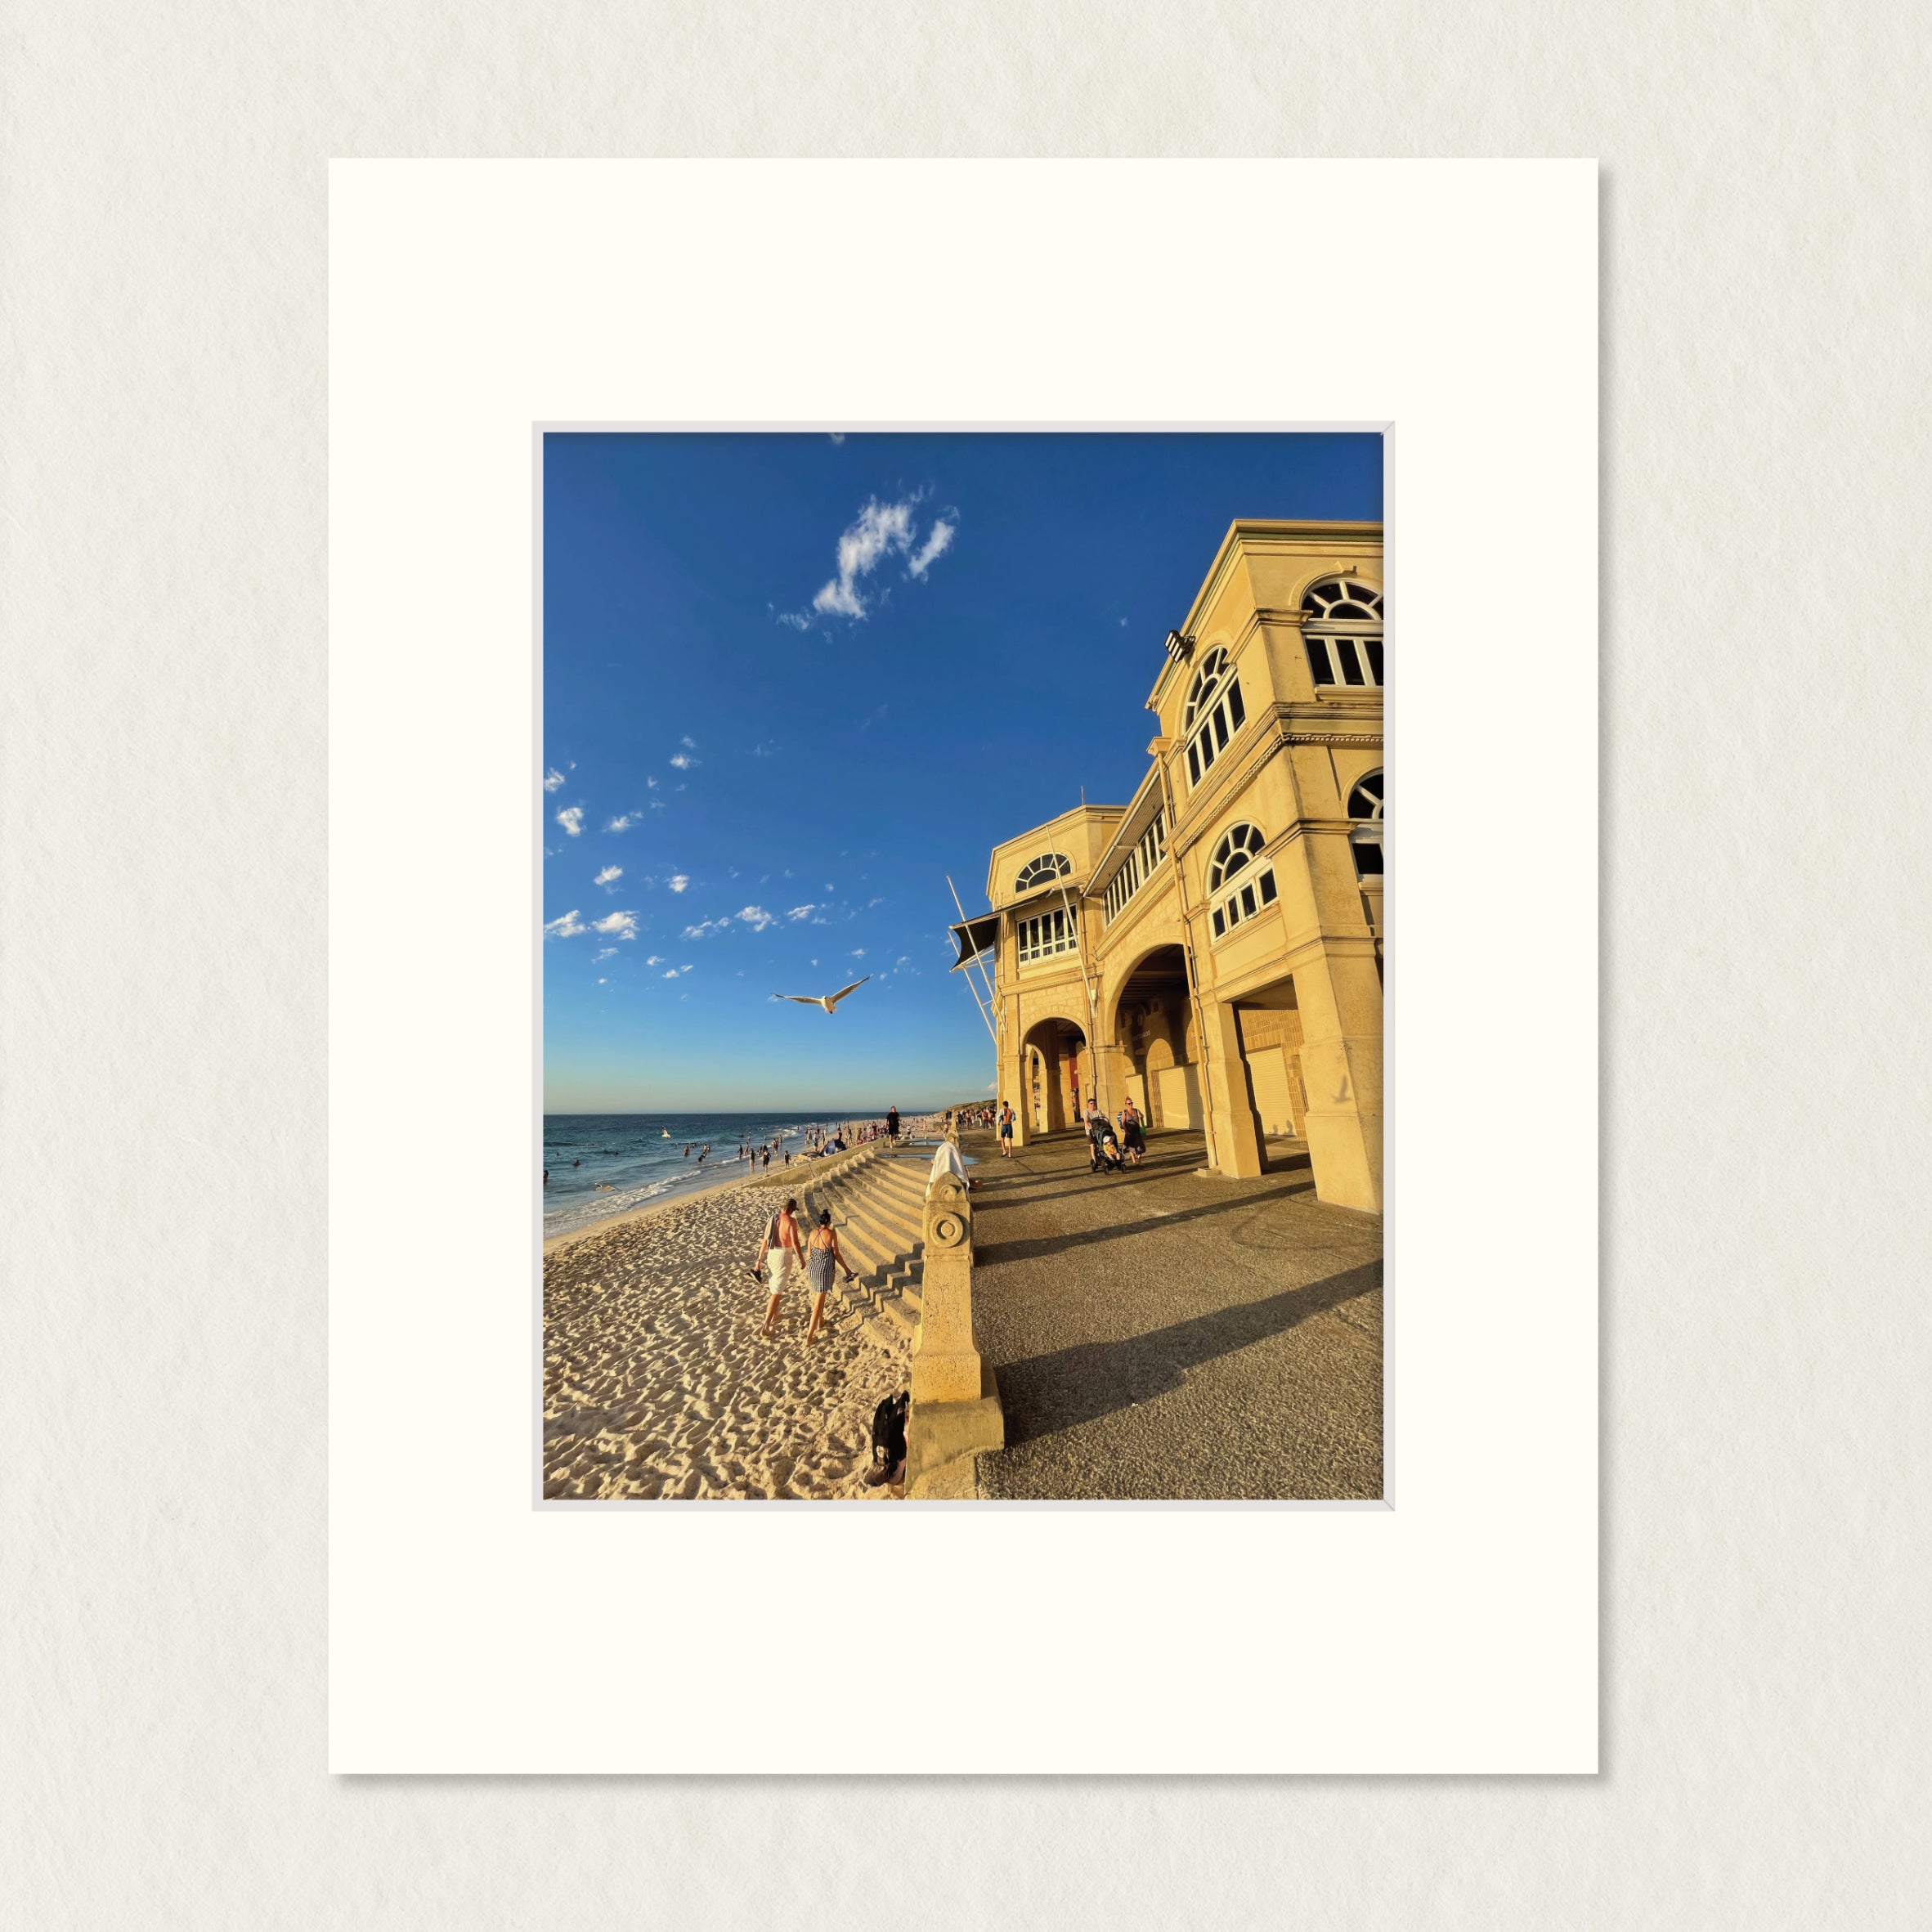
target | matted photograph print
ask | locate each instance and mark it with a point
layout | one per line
(963, 942)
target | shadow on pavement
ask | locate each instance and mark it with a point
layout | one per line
(1047, 1393)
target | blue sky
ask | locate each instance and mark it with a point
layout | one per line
(791, 682)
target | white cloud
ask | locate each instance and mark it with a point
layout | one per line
(763, 749)
(707, 927)
(902, 961)
(656, 959)
(571, 819)
(683, 761)
(756, 917)
(566, 928)
(687, 969)
(553, 778)
(858, 953)
(938, 542)
(672, 974)
(838, 435)
(604, 982)
(678, 881)
(620, 926)
(608, 952)
(879, 530)
(801, 912)
(623, 823)
(871, 903)
(617, 872)
(689, 744)
(651, 784)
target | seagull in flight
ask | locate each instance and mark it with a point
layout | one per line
(827, 1000)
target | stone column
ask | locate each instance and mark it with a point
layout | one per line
(1022, 1098)
(1340, 998)
(955, 1410)
(1237, 1137)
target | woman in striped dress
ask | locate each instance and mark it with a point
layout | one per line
(822, 1257)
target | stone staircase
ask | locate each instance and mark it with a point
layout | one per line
(878, 1206)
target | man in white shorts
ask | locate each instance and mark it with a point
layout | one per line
(782, 1245)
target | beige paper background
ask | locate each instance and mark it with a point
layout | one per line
(163, 1114)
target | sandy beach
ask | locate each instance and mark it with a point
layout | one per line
(657, 1383)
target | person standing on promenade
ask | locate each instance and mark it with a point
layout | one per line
(781, 1244)
(892, 1124)
(822, 1257)
(1133, 1134)
(1006, 1130)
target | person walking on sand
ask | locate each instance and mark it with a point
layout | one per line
(782, 1245)
(822, 1257)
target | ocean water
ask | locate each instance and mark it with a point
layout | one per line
(601, 1164)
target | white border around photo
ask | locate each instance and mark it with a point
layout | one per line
(1454, 1630)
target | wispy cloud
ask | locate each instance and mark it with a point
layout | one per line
(598, 958)
(689, 744)
(678, 881)
(617, 872)
(683, 761)
(858, 953)
(706, 928)
(620, 926)
(552, 779)
(938, 542)
(672, 974)
(801, 912)
(879, 531)
(622, 822)
(656, 959)
(756, 917)
(571, 819)
(838, 435)
(765, 748)
(566, 928)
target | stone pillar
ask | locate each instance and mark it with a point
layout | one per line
(1340, 998)
(1053, 1086)
(955, 1411)
(1237, 1134)
(1110, 1077)
(1022, 1099)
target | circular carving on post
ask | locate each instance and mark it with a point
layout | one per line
(949, 1231)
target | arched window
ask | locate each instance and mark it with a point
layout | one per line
(1235, 850)
(1342, 627)
(1365, 807)
(1043, 871)
(1244, 885)
(1214, 713)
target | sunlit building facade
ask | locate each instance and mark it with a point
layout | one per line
(1213, 949)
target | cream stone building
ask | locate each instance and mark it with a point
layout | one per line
(1213, 949)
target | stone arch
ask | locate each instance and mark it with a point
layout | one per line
(1057, 1070)
(1154, 1026)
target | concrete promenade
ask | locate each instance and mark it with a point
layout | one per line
(1161, 1335)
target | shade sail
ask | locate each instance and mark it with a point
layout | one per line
(975, 936)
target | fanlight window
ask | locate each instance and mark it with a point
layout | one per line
(1365, 807)
(1043, 871)
(1214, 714)
(1342, 627)
(1245, 886)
